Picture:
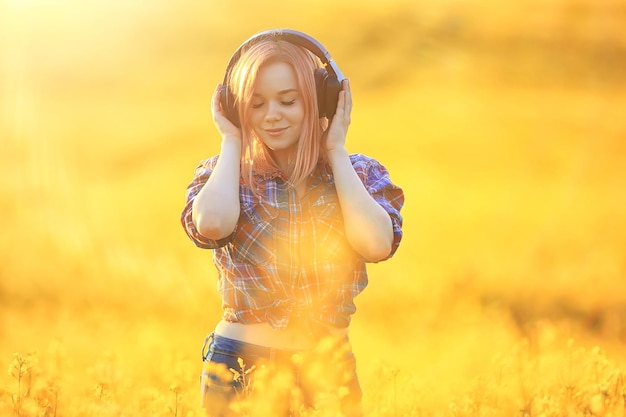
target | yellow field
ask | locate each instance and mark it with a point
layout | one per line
(504, 123)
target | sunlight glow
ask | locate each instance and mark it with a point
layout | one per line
(506, 134)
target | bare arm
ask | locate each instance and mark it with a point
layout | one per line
(368, 227)
(215, 209)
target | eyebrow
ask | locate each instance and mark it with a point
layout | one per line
(281, 92)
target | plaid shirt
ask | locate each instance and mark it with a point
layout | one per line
(288, 257)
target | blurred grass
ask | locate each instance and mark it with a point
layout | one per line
(502, 122)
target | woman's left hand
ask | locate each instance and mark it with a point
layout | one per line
(338, 129)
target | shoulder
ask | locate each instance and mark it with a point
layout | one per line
(201, 174)
(361, 159)
(365, 165)
(204, 169)
(373, 174)
(207, 164)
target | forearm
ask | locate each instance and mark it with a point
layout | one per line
(215, 210)
(367, 225)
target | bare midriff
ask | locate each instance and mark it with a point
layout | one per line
(293, 337)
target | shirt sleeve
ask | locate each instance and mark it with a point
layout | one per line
(201, 175)
(378, 183)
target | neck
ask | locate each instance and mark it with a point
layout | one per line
(285, 161)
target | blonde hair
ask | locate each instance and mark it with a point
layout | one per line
(255, 156)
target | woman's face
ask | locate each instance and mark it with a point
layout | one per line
(276, 112)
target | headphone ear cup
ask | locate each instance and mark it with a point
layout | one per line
(227, 100)
(333, 87)
(320, 86)
(328, 88)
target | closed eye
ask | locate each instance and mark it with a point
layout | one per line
(257, 105)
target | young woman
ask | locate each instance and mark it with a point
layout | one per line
(292, 218)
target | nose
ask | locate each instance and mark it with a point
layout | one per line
(273, 113)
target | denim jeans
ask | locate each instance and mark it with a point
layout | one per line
(242, 379)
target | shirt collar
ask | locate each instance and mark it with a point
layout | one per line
(322, 171)
(269, 176)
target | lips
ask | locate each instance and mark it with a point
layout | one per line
(275, 131)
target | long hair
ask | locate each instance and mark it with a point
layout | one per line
(255, 156)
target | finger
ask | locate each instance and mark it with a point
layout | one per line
(345, 91)
(341, 101)
(216, 102)
(347, 99)
(217, 94)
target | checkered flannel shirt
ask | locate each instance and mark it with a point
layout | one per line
(289, 257)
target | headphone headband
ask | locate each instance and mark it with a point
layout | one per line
(292, 36)
(328, 79)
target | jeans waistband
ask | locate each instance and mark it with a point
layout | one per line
(219, 344)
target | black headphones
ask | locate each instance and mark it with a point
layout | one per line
(327, 79)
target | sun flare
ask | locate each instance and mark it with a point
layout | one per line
(502, 121)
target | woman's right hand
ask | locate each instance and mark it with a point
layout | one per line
(223, 125)
(215, 210)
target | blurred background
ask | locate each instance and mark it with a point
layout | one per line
(503, 122)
